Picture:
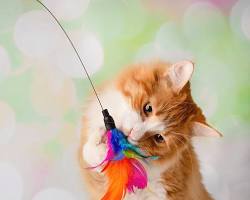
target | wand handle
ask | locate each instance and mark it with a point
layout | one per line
(108, 120)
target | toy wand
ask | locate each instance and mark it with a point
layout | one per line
(124, 172)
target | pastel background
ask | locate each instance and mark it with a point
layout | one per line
(42, 85)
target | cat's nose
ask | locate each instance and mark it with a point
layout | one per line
(129, 133)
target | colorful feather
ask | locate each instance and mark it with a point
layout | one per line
(123, 171)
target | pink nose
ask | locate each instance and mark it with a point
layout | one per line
(130, 132)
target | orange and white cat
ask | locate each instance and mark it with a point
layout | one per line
(152, 104)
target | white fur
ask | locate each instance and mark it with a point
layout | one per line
(129, 121)
(155, 189)
(142, 127)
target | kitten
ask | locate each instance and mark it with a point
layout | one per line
(152, 104)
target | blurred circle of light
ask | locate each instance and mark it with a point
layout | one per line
(4, 63)
(11, 183)
(51, 93)
(203, 23)
(209, 101)
(169, 37)
(7, 123)
(72, 173)
(53, 194)
(65, 9)
(154, 51)
(238, 16)
(170, 43)
(36, 34)
(90, 50)
(245, 22)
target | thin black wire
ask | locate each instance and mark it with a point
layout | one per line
(72, 44)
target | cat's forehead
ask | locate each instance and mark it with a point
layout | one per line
(141, 82)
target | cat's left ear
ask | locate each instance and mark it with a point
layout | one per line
(200, 129)
(179, 74)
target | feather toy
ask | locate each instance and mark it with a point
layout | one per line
(121, 167)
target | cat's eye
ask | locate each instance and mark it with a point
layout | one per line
(147, 109)
(159, 138)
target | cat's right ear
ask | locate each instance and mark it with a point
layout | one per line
(201, 129)
(179, 74)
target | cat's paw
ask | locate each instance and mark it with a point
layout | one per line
(94, 151)
(94, 154)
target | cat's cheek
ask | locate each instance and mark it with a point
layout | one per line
(94, 154)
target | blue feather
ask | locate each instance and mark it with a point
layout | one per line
(120, 144)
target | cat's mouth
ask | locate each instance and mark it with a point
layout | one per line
(128, 134)
(132, 141)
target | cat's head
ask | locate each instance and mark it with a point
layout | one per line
(161, 114)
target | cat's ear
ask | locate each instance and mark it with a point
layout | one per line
(179, 74)
(200, 129)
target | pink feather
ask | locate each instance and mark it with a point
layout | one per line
(137, 177)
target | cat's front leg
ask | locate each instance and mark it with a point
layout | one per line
(94, 150)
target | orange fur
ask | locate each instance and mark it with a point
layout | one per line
(142, 83)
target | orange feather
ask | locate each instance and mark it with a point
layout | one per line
(117, 173)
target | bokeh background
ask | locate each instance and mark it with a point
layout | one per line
(43, 87)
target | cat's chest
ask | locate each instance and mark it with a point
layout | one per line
(155, 189)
